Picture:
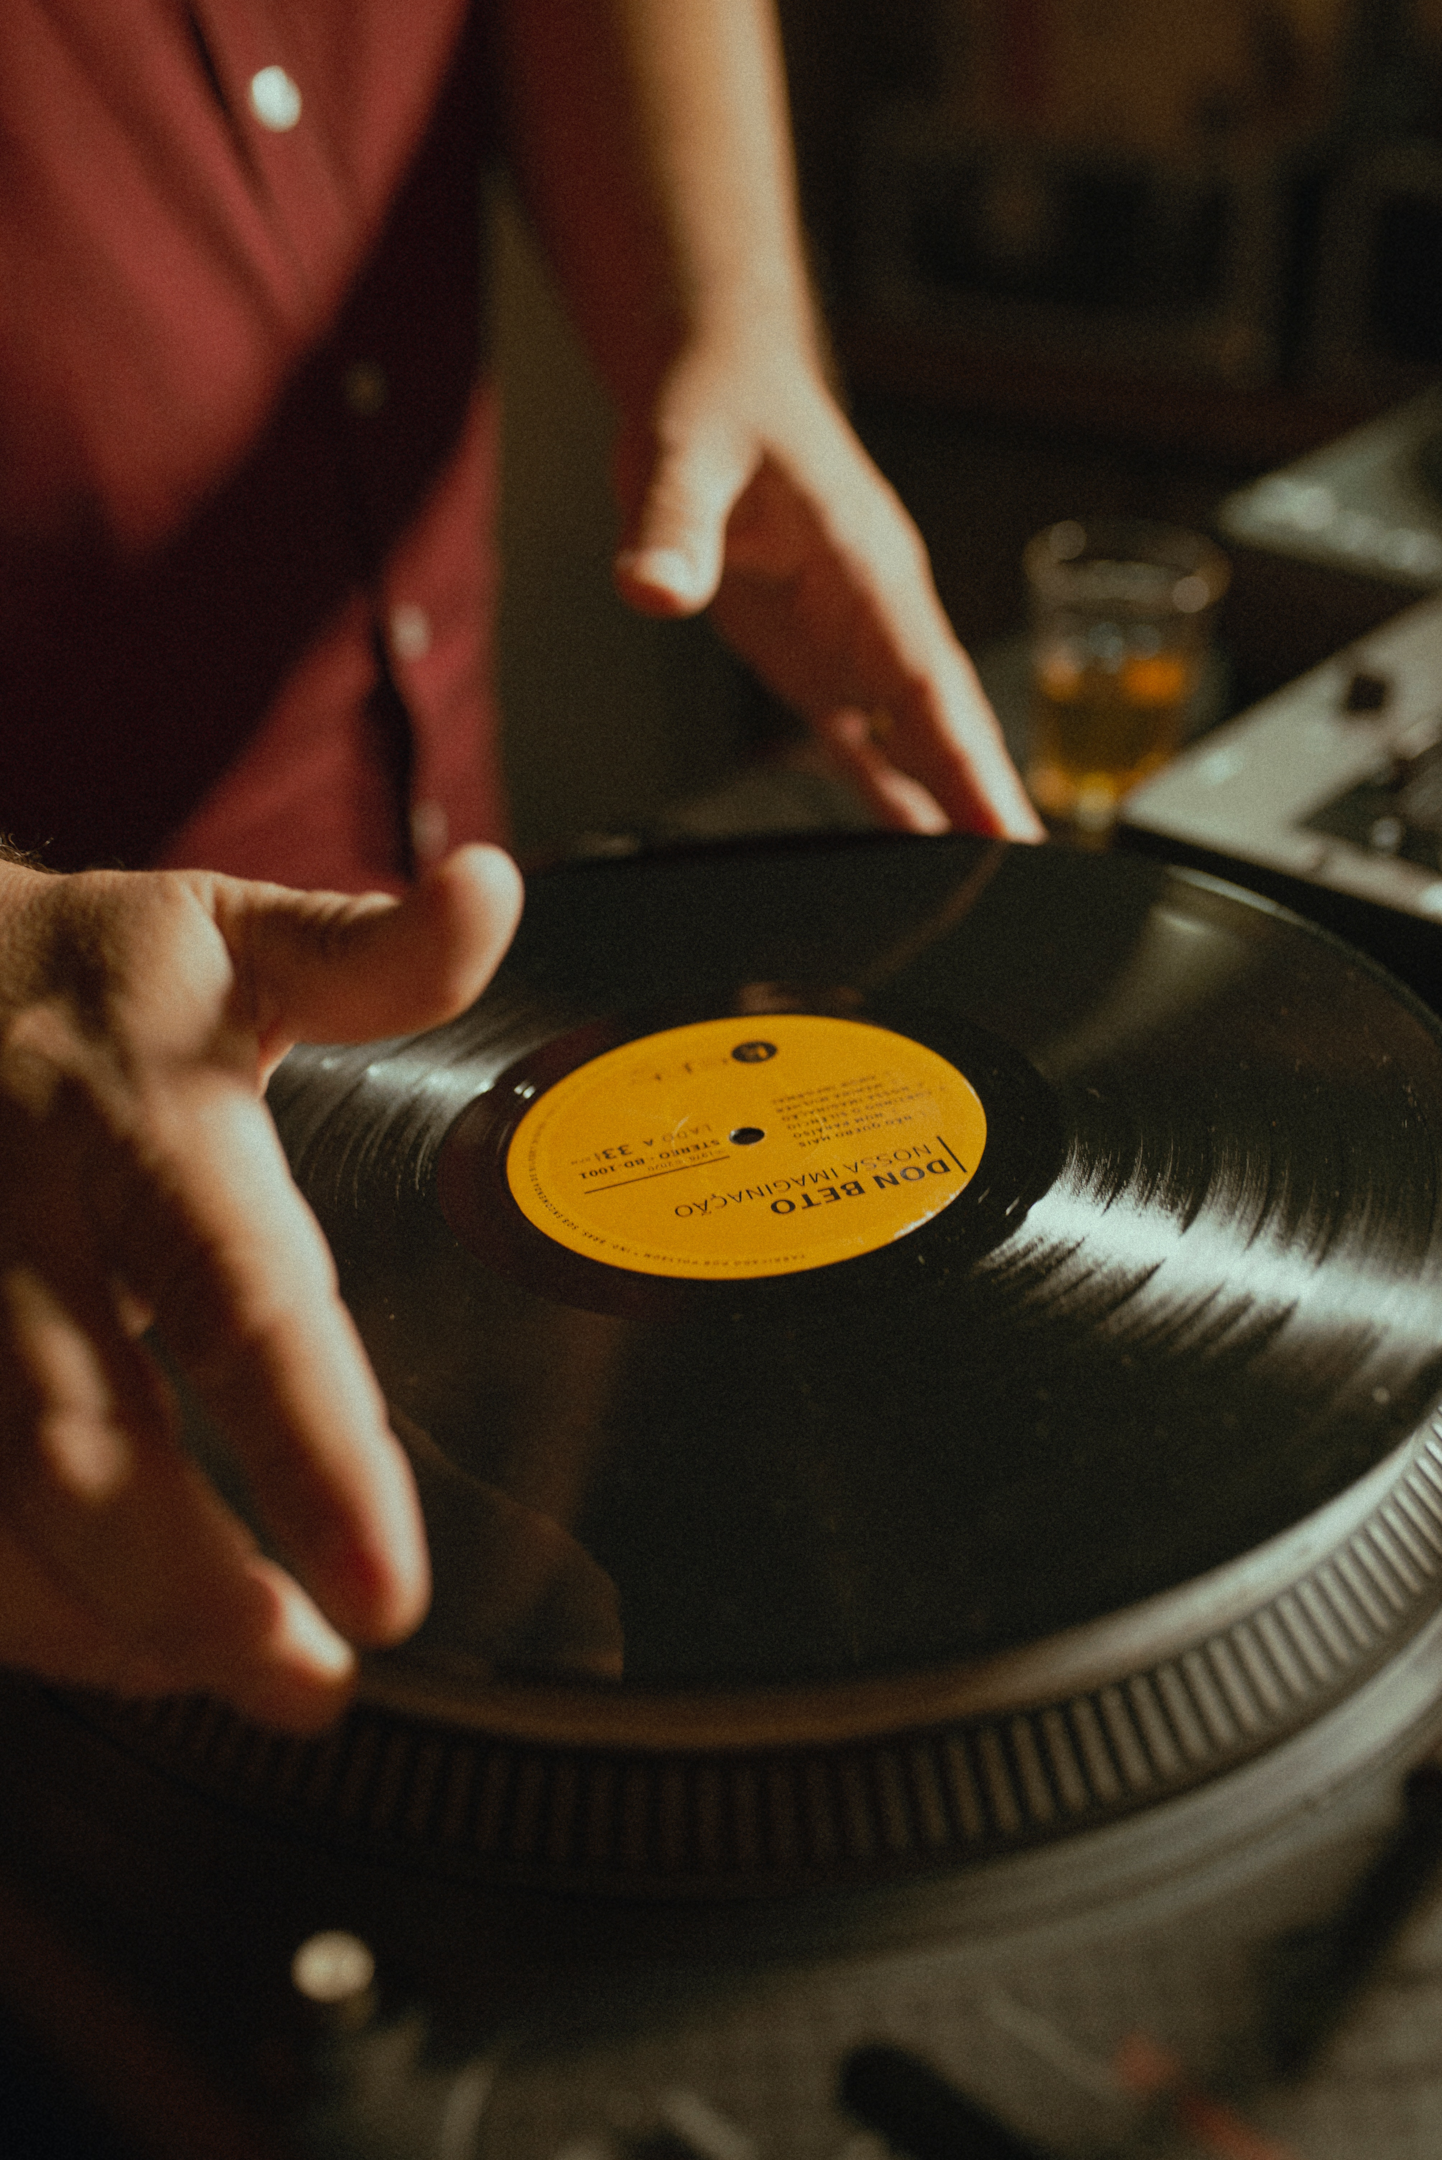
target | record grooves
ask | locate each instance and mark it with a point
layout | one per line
(1101, 1468)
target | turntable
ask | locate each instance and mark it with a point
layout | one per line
(920, 1361)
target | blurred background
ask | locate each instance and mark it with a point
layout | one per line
(1079, 257)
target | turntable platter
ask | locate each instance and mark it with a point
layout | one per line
(1072, 1448)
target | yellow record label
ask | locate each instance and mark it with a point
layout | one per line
(733, 1148)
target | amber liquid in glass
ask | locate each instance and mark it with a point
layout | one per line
(1097, 730)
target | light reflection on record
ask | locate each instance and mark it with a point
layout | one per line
(1190, 1296)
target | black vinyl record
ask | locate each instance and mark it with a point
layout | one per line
(1188, 1296)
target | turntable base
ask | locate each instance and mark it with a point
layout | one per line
(993, 1609)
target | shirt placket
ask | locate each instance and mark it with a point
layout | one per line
(312, 204)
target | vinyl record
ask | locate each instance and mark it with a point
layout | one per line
(1174, 1289)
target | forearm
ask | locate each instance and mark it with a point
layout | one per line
(651, 144)
(651, 141)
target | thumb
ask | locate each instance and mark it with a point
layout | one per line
(678, 498)
(324, 967)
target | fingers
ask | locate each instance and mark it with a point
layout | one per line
(141, 1181)
(829, 594)
(246, 1296)
(898, 801)
(952, 742)
(673, 548)
(747, 491)
(118, 1565)
(874, 668)
(220, 1246)
(325, 968)
(929, 776)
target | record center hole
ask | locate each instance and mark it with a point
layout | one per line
(747, 1135)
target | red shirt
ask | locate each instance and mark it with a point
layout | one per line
(245, 464)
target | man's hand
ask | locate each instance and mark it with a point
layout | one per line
(746, 489)
(650, 142)
(141, 1182)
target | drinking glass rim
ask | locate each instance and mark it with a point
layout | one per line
(1054, 556)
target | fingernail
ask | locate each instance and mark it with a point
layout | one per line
(307, 1637)
(303, 1678)
(668, 569)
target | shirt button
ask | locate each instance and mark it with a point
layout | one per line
(430, 831)
(410, 631)
(275, 100)
(364, 388)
